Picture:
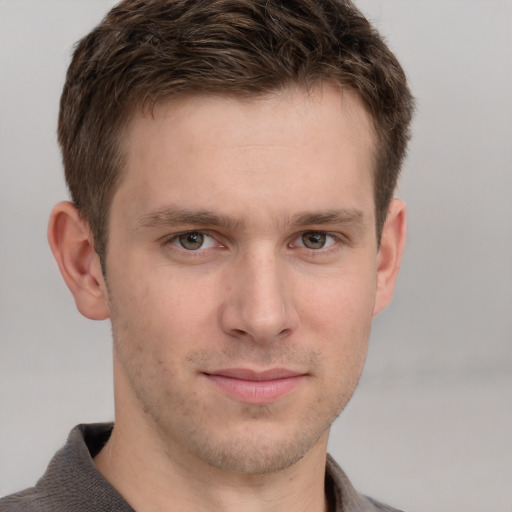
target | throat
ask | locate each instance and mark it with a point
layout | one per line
(151, 481)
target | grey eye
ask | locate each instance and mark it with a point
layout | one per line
(314, 240)
(191, 241)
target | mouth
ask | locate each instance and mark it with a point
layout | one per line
(255, 387)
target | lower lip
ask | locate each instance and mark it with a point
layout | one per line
(255, 391)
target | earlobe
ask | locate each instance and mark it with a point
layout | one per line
(73, 248)
(390, 254)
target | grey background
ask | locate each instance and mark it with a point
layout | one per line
(430, 427)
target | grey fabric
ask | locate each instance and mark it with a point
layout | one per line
(72, 483)
(345, 497)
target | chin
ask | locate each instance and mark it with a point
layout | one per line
(255, 456)
(256, 447)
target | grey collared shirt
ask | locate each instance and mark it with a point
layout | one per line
(72, 483)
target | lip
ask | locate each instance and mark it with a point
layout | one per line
(255, 387)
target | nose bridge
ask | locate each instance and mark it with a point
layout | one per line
(260, 301)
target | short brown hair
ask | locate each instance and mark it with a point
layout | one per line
(149, 51)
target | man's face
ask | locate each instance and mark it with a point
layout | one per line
(241, 273)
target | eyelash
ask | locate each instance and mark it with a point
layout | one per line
(336, 239)
(175, 238)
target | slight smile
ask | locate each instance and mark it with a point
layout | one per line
(254, 387)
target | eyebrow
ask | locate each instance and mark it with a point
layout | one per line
(169, 217)
(344, 216)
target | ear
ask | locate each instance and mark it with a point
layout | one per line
(72, 245)
(390, 254)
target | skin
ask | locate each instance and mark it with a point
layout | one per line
(281, 272)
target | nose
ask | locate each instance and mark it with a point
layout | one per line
(259, 303)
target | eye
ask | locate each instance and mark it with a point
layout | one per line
(315, 240)
(194, 240)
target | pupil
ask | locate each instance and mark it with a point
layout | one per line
(314, 240)
(191, 241)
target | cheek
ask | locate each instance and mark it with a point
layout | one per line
(163, 310)
(338, 315)
(341, 302)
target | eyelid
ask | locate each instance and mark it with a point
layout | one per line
(338, 238)
(171, 239)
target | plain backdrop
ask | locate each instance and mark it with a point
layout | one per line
(430, 427)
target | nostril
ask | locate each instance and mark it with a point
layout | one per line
(284, 333)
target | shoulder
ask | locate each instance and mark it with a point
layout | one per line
(24, 501)
(380, 507)
(71, 481)
(343, 496)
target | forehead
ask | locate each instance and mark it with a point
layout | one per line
(265, 114)
(293, 146)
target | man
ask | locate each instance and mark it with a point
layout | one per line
(232, 167)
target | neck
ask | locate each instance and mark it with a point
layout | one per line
(154, 477)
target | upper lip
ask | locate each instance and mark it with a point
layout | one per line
(254, 375)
